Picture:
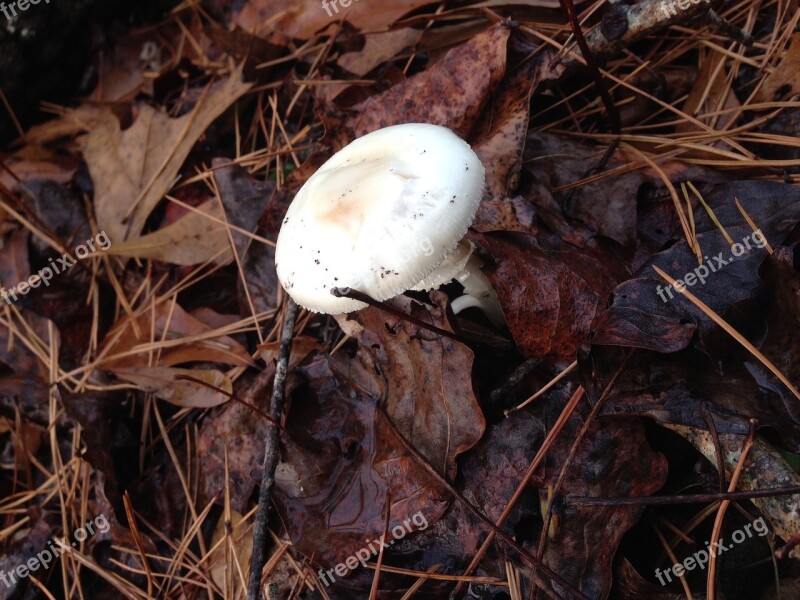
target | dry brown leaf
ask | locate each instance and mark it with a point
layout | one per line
(192, 239)
(72, 122)
(35, 162)
(132, 170)
(711, 93)
(378, 48)
(302, 18)
(164, 383)
(236, 534)
(214, 348)
(302, 346)
(786, 76)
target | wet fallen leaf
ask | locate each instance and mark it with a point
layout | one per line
(646, 314)
(550, 297)
(613, 460)
(342, 468)
(499, 141)
(451, 93)
(426, 382)
(239, 431)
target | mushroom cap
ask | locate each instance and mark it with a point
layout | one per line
(379, 216)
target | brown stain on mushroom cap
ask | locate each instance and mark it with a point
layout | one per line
(346, 213)
(349, 206)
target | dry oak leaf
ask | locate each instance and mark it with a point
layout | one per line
(785, 79)
(164, 382)
(302, 18)
(199, 236)
(177, 338)
(378, 48)
(132, 170)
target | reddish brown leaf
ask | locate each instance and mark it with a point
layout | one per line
(499, 140)
(426, 381)
(342, 463)
(550, 298)
(451, 93)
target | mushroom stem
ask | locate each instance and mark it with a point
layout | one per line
(463, 265)
(478, 292)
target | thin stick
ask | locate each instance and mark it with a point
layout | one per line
(711, 582)
(600, 85)
(260, 534)
(552, 382)
(683, 498)
(614, 119)
(362, 297)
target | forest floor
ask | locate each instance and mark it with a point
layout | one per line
(631, 431)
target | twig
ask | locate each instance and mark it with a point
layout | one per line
(614, 120)
(727, 28)
(362, 297)
(256, 387)
(712, 429)
(711, 582)
(683, 498)
(602, 90)
(260, 536)
(643, 19)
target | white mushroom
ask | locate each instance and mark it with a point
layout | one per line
(384, 215)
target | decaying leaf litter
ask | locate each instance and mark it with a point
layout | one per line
(136, 385)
